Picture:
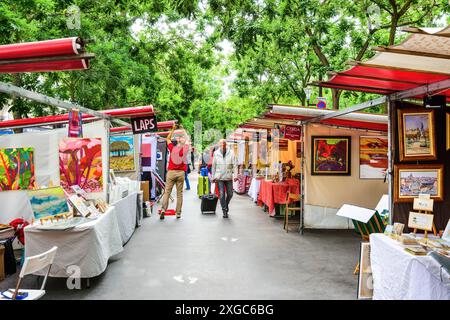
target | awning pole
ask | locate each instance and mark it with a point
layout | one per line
(390, 172)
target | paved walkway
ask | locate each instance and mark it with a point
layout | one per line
(248, 256)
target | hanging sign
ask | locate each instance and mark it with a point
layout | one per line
(75, 124)
(322, 104)
(292, 132)
(144, 124)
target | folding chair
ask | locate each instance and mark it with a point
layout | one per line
(291, 197)
(32, 265)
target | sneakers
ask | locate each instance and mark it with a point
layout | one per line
(161, 216)
(225, 214)
(178, 215)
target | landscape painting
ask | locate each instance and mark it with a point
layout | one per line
(373, 157)
(416, 135)
(412, 180)
(330, 155)
(16, 169)
(48, 202)
(80, 163)
(121, 149)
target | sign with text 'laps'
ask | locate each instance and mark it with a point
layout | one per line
(144, 124)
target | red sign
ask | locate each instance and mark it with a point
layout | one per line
(292, 132)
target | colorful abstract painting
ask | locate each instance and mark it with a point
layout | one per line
(121, 149)
(48, 202)
(16, 169)
(373, 157)
(330, 155)
(80, 163)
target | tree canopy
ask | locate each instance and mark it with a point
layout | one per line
(170, 53)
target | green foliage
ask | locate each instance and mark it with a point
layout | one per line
(173, 60)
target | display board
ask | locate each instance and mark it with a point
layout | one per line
(324, 195)
(45, 144)
(440, 208)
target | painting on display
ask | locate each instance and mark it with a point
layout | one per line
(412, 180)
(373, 157)
(80, 163)
(330, 155)
(121, 149)
(16, 169)
(48, 202)
(416, 135)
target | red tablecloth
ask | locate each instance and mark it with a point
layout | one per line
(271, 193)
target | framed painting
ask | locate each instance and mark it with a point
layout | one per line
(48, 202)
(373, 157)
(80, 163)
(121, 153)
(416, 135)
(16, 169)
(330, 155)
(412, 180)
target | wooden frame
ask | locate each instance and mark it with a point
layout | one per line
(447, 115)
(418, 168)
(402, 114)
(365, 280)
(348, 141)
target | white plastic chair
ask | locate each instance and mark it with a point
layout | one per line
(32, 265)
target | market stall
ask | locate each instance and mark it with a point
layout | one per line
(360, 141)
(405, 264)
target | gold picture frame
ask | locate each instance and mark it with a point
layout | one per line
(412, 180)
(416, 135)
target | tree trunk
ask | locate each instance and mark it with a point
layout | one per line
(393, 30)
(17, 81)
(336, 93)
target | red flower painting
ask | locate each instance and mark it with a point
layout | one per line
(80, 163)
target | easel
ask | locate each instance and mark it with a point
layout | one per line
(424, 205)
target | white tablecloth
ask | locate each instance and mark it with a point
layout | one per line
(88, 246)
(125, 209)
(398, 275)
(253, 190)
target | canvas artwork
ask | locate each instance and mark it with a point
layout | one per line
(373, 157)
(121, 149)
(80, 163)
(330, 155)
(16, 169)
(412, 180)
(48, 202)
(416, 135)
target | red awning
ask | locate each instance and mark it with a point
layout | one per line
(421, 59)
(44, 56)
(115, 113)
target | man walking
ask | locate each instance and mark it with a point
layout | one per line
(224, 166)
(176, 171)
